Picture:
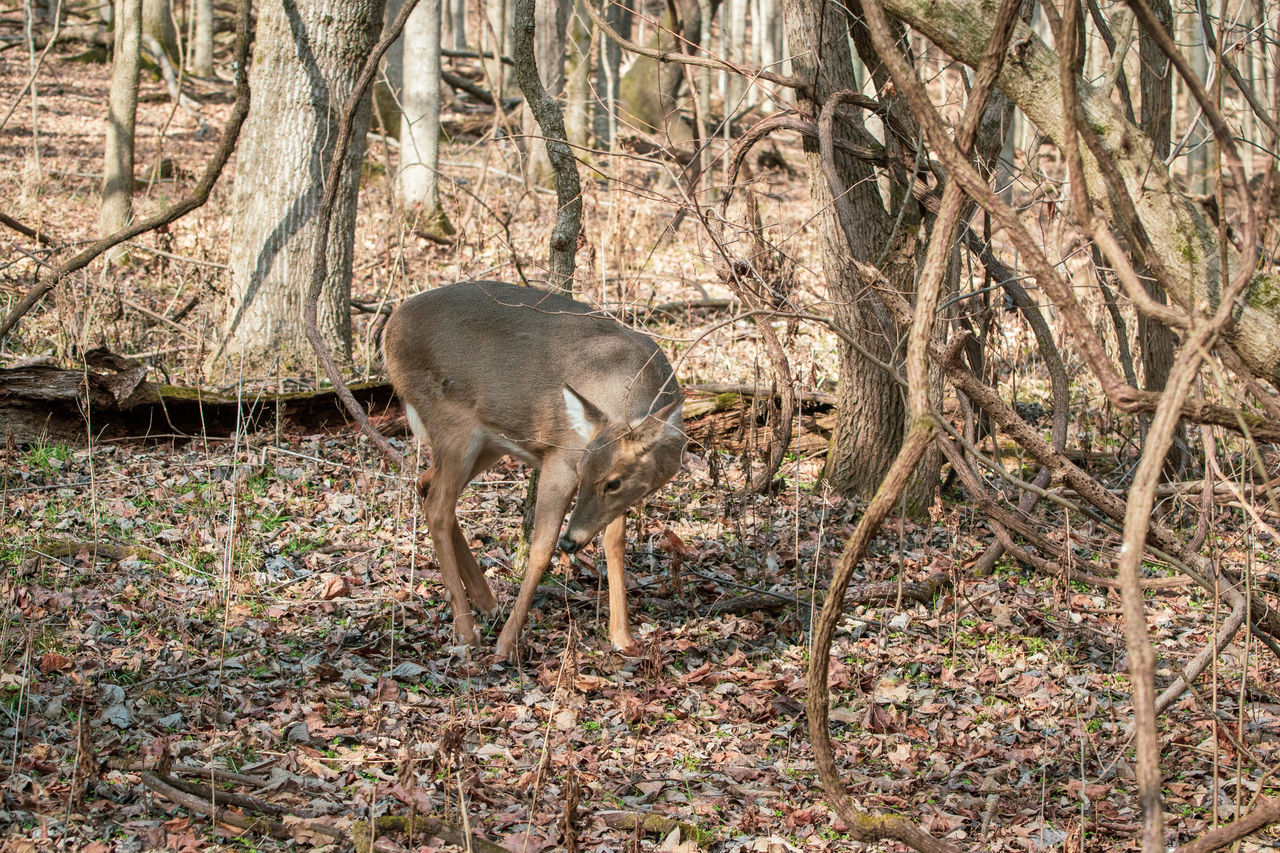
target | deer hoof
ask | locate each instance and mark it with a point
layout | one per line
(626, 646)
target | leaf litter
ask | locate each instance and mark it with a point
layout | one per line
(197, 608)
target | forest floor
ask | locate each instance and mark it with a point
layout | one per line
(263, 611)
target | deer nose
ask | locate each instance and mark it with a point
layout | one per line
(568, 545)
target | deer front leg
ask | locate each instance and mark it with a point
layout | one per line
(555, 489)
(615, 550)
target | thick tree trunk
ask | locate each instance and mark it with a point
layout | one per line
(870, 414)
(1176, 227)
(417, 182)
(157, 22)
(308, 54)
(122, 111)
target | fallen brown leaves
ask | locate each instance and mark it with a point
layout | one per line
(324, 680)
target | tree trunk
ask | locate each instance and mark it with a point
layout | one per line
(157, 22)
(202, 40)
(609, 72)
(122, 110)
(454, 23)
(870, 414)
(417, 181)
(308, 54)
(549, 49)
(388, 87)
(577, 109)
(733, 29)
(1158, 340)
(496, 38)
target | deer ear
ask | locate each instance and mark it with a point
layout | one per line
(584, 417)
(672, 415)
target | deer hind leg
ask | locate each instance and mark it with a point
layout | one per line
(458, 569)
(556, 486)
(615, 550)
(482, 598)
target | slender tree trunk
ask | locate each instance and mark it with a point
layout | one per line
(308, 54)
(577, 110)
(417, 182)
(202, 40)
(609, 71)
(1156, 82)
(496, 38)
(733, 27)
(122, 110)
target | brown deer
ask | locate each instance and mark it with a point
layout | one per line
(487, 370)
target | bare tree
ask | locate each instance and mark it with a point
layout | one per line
(122, 110)
(417, 180)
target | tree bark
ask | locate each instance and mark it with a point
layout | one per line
(202, 40)
(1157, 116)
(157, 22)
(417, 182)
(546, 111)
(550, 29)
(870, 415)
(122, 111)
(1176, 227)
(609, 71)
(577, 109)
(309, 53)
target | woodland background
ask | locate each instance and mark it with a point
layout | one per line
(1020, 597)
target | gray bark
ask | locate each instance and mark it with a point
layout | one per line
(549, 39)
(497, 35)
(1176, 226)
(1156, 118)
(417, 180)
(157, 22)
(609, 72)
(578, 79)
(870, 415)
(202, 39)
(122, 111)
(308, 55)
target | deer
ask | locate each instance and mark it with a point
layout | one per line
(487, 370)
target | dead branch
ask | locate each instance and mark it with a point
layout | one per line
(647, 822)
(162, 784)
(27, 231)
(1262, 816)
(364, 834)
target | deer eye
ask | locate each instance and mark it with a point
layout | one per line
(613, 485)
